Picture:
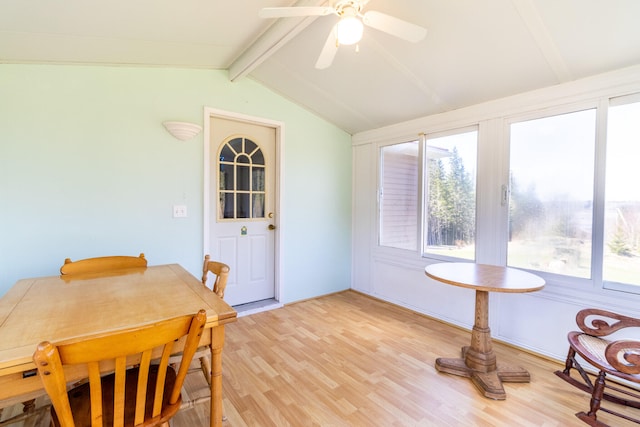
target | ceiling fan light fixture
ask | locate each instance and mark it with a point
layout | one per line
(349, 30)
(350, 26)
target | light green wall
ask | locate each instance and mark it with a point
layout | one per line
(87, 169)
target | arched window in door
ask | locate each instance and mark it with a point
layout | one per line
(241, 180)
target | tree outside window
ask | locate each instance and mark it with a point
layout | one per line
(451, 195)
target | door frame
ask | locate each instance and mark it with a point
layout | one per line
(279, 157)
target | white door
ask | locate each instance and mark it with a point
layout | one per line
(241, 206)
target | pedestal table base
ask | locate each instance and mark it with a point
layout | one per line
(489, 383)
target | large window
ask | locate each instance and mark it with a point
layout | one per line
(450, 207)
(551, 193)
(621, 251)
(570, 203)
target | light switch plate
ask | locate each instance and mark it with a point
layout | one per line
(179, 211)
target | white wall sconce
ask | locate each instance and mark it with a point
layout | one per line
(182, 130)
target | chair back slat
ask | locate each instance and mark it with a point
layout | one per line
(102, 264)
(141, 391)
(144, 343)
(159, 392)
(119, 391)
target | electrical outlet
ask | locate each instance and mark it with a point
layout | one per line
(179, 211)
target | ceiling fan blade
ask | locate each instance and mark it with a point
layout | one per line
(394, 26)
(287, 12)
(328, 51)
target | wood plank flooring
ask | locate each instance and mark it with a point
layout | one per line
(350, 360)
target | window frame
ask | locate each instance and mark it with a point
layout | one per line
(596, 282)
(234, 164)
(571, 282)
(422, 214)
(380, 193)
(608, 285)
(562, 286)
(424, 197)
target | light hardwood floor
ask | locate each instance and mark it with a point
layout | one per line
(350, 360)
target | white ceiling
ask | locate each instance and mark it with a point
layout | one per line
(475, 50)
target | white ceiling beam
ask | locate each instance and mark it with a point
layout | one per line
(410, 76)
(276, 36)
(538, 30)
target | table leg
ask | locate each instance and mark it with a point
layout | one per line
(217, 342)
(480, 356)
(478, 360)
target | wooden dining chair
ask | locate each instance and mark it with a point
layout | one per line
(70, 268)
(100, 264)
(221, 272)
(138, 393)
(607, 355)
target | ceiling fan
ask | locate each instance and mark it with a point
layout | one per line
(348, 30)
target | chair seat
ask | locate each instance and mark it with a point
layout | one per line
(80, 400)
(593, 349)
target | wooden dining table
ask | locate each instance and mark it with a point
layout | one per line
(478, 360)
(67, 308)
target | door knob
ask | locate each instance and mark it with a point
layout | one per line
(272, 227)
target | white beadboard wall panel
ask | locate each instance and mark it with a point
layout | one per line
(363, 219)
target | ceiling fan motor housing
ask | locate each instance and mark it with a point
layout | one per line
(345, 8)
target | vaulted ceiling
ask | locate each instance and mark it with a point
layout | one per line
(474, 51)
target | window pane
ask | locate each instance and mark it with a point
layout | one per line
(243, 179)
(242, 208)
(226, 205)
(451, 195)
(551, 194)
(257, 158)
(236, 145)
(257, 182)
(227, 154)
(226, 177)
(399, 196)
(249, 146)
(622, 196)
(258, 206)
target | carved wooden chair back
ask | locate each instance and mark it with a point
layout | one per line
(609, 355)
(137, 393)
(100, 264)
(221, 272)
